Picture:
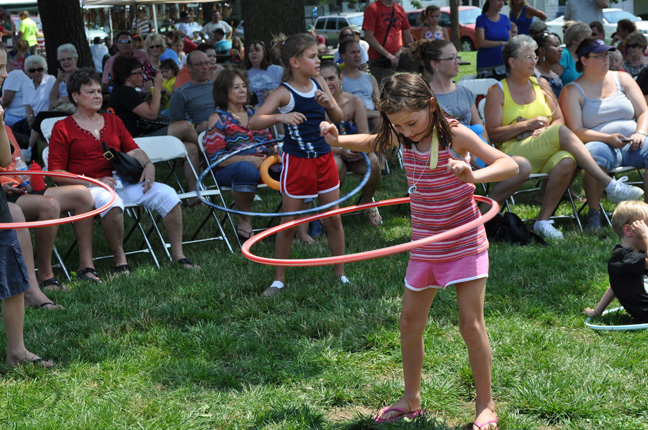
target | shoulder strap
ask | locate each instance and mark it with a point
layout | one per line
(391, 21)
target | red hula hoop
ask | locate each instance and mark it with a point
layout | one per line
(58, 221)
(245, 249)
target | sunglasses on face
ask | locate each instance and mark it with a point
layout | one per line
(155, 46)
(125, 41)
(40, 69)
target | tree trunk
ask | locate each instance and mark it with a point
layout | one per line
(455, 32)
(266, 19)
(63, 23)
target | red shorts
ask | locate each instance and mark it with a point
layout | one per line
(303, 178)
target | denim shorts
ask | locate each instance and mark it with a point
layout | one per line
(13, 272)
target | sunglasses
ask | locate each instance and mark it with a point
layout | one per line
(155, 46)
(125, 41)
(40, 69)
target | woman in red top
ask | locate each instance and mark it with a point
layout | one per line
(75, 146)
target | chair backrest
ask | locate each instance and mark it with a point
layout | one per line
(480, 109)
(162, 148)
(478, 86)
(47, 125)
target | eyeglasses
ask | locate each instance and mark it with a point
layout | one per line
(40, 69)
(634, 45)
(155, 47)
(453, 58)
(529, 58)
(124, 41)
(137, 72)
(346, 35)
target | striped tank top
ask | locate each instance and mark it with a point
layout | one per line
(441, 202)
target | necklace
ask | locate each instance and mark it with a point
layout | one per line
(240, 118)
(434, 150)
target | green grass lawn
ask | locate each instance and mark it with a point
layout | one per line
(175, 349)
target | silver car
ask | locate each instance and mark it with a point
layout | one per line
(329, 26)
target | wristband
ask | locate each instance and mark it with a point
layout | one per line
(642, 132)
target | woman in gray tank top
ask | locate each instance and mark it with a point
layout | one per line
(608, 112)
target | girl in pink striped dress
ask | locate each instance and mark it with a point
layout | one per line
(437, 163)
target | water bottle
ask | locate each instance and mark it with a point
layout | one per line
(111, 85)
(25, 180)
(119, 184)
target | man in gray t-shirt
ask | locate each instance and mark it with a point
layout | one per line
(586, 10)
(193, 101)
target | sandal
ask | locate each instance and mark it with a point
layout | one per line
(374, 217)
(402, 413)
(243, 234)
(122, 268)
(49, 284)
(186, 262)
(480, 426)
(82, 275)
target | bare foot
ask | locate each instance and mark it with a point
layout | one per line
(28, 358)
(305, 239)
(374, 217)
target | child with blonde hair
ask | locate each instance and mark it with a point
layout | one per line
(628, 264)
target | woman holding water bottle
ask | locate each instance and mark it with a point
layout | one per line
(75, 146)
(38, 204)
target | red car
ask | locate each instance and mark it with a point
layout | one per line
(467, 17)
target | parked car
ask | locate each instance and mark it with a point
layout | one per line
(467, 17)
(93, 30)
(240, 31)
(611, 16)
(329, 26)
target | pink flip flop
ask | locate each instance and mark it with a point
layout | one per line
(404, 413)
(479, 426)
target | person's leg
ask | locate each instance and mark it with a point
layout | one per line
(78, 200)
(416, 307)
(335, 231)
(13, 315)
(606, 158)
(283, 242)
(41, 208)
(559, 180)
(243, 177)
(470, 302)
(505, 189)
(34, 297)
(113, 227)
(173, 226)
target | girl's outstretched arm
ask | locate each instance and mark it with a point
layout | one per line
(267, 115)
(354, 142)
(499, 165)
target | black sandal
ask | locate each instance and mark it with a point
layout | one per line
(52, 282)
(185, 261)
(122, 268)
(82, 275)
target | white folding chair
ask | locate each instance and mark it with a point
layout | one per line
(479, 87)
(47, 125)
(169, 148)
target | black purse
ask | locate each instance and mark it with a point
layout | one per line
(129, 169)
(147, 126)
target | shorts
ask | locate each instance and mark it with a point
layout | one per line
(160, 198)
(13, 272)
(303, 178)
(425, 274)
(543, 152)
(610, 158)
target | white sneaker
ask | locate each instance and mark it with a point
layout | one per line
(622, 192)
(546, 229)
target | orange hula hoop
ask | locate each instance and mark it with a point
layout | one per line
(265, 175)
(58, 221)
(338, 259)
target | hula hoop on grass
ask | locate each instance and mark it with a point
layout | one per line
(356, 190)
(245, 249)
(58, 221)
(265, 176)
(614, 327)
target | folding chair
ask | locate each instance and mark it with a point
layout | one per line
(47, 125)
(479, 87)
(167, 149)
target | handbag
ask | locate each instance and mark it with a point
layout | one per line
(127, 167)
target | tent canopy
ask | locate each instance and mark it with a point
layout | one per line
(139, 2)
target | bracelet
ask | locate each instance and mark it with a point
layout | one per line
(145, 163)
(642, 132)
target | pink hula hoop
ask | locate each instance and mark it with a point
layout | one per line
(57, 221)
(375, 253)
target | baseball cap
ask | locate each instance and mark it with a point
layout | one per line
(310, 27)
(355, 29)
(595, 46)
